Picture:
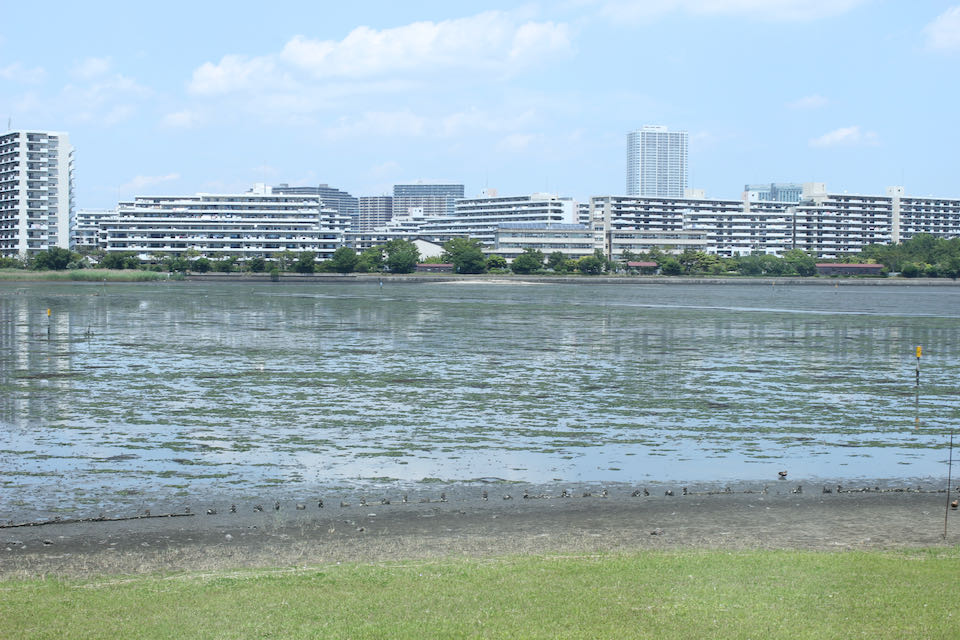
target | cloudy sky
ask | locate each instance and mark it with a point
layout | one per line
(181, 97)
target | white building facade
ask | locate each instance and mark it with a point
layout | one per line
(36, 192)
(256, 223)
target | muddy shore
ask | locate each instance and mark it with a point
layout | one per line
(462, 523)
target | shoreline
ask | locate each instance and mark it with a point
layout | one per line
(469, 526)
(117, 277)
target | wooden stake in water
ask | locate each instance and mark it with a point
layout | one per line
(916, 397)
(946, 510)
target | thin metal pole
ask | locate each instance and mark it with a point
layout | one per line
(946, 510)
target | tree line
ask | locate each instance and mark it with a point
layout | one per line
(923, 255)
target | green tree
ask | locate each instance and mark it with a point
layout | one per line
(285, 260)
(10, 263)
(911, 269)
(224, 265)
(201, 265)
(671, 267)
(527, 262)
(176, 263)
(496, 262)
(800, 262)
(557, 262)
(466, 255)
(402, 256)
(257, 264)
(370, 260)
(53, 259)
(590, 265)
(306, 262)
(344, 260)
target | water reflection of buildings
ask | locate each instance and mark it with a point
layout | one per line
(35, 359)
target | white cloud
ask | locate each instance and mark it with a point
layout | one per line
(943, 34)
(846, 137)
(492, 41)
(379, 123)
(769, 10)
(473, 120)
(814, 101)
(18, 73)
(141, 182)
(90, 68)
(234, 73)
(181, 119)
(516, 142)
(107, 101)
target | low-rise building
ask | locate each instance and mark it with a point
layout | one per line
(510, 239)
(256, 223)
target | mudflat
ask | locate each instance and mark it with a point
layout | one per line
(460, 522)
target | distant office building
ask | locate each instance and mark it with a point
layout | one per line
(657, 162)
(375, 211)
(256, 223)
(341, 201)
(774, 192)
(36, 192)
(435, 199)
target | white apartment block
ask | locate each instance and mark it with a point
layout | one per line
(36, 192)
(825, 224)
(88, 231)
(510, 239)
(480, 217)
(256, 223)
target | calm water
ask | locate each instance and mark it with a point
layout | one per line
(175, 389)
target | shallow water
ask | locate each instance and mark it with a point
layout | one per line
(156, 390)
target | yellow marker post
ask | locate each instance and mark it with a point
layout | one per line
(48, 313)
(919, 353)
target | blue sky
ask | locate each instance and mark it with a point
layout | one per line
(180, 97)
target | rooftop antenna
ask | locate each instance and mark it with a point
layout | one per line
(9, 123)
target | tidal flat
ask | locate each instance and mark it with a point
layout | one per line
(129, 397)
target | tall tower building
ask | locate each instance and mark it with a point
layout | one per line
(656, 162)
(36, 192)
(375, 211)
(435, 199)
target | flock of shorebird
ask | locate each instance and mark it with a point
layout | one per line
(603, 493)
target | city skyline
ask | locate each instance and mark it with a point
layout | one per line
(527, 98)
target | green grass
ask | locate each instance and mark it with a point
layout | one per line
(685, 594)
(84, 275)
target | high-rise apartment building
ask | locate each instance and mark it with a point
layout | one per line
(656, 162)
(36, 192)
(375, 211)
(435, 199)
(333, 198)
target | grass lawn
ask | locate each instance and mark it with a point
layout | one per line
(683, 594)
